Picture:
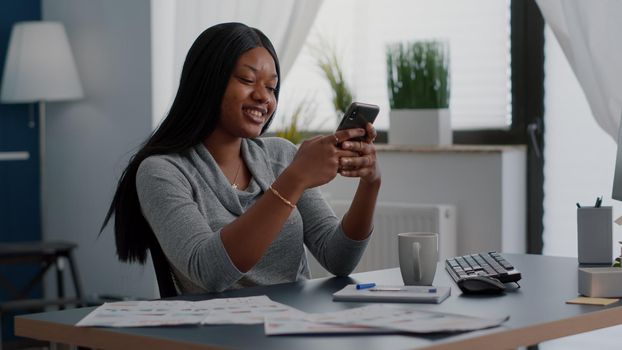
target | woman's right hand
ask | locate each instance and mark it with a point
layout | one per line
(317, 160)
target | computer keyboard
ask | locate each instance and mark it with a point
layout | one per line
(491, 264)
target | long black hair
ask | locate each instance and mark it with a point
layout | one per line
(192, 117)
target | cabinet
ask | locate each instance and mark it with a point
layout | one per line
(486, 184)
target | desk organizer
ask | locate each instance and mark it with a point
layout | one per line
(594, 235)
(601, 282)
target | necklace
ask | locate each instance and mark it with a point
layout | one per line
(234, 185)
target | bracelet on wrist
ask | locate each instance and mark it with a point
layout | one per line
(276, 193)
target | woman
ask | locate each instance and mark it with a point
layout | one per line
(228, 209)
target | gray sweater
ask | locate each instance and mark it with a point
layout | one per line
(187, 200)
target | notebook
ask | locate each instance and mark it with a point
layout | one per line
(397, 294)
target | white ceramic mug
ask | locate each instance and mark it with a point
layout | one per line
(418, 253)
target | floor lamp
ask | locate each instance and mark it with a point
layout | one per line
(40, 68)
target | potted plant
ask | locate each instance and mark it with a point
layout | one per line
(328, 62)
(418, 84)
(295, 124)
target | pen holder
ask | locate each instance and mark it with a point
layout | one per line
(594, 235)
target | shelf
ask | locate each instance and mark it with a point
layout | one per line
(450, 148)
(14, 156)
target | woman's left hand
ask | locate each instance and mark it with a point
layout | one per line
(364, 165)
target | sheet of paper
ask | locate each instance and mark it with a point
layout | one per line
(279, 325)
(250, 310)
(320, 323)
(379, 318)
(144, 313)
(421, 321)
(592, 301)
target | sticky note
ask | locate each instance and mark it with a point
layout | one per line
(592, 301)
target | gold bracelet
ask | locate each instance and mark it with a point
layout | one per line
(276, 193)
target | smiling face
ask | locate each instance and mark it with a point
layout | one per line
(249, 99)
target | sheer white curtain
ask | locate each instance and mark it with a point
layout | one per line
(589, 34)
(175, 25)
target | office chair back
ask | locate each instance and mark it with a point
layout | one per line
(163, 271)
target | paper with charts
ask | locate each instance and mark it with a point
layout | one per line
(250, 310)
(279, 318)
(378, 318)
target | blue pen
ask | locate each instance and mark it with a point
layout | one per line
(398, 289)
(365, 285)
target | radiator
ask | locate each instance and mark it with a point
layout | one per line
(392, 218)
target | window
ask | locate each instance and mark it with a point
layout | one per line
(479, 39)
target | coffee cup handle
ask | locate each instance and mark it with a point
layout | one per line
(416, 261)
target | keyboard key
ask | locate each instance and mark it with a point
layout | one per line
(472, 262)
(506, 265)
(480, 260)
(494, 264)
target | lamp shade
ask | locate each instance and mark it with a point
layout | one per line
(39, 65)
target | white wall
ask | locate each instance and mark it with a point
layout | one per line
(579, 157)
(90, 141)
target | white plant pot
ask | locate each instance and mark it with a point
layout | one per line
(420, 127)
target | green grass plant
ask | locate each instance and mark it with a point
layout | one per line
(296, 124)
(328, 62)
(418, 75)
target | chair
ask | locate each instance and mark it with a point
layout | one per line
(46, 254)
(164, 274)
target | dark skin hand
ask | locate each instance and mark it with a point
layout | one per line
(358, 221)
(321, 154)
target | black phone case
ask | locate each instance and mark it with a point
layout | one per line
(357, 116)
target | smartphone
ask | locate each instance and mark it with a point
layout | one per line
(357, 116)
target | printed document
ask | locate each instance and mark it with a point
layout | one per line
(378, 318)
(250, 310)
(281, 319)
